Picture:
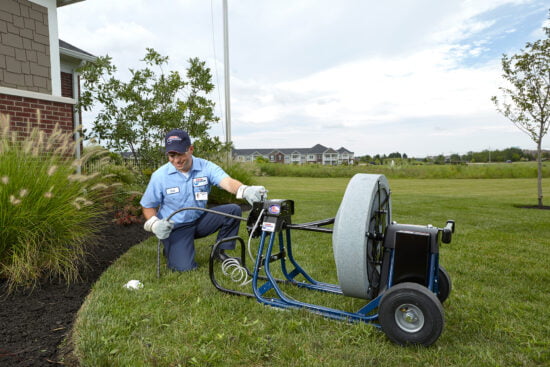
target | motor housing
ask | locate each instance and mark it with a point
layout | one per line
(275, 214)
(413, 248)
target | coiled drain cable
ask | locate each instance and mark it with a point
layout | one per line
(238, 272)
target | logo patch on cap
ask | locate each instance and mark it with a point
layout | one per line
(172, 139)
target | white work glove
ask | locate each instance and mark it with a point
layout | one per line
(160, 227)
(251, 194)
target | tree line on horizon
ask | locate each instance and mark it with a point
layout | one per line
(512, 154)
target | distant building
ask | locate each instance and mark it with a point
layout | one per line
(317, 154)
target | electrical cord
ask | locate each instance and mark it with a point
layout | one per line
(250, 236)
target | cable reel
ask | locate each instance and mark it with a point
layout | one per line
(359, 227)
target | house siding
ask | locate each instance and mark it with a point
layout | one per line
(24, 46)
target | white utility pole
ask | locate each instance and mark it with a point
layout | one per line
(226, 75)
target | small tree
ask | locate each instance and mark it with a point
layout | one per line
(527, 101)
(135, 115)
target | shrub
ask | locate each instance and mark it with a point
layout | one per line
(48, 212)
(237, 171)
(126, 184)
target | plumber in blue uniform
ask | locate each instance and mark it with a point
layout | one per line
(185, 181)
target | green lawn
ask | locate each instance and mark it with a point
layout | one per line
(497, 314)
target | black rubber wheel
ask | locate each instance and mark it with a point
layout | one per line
(410, 313)
(445, 286)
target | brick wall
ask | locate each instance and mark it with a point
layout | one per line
(24, 46)
(23, 110)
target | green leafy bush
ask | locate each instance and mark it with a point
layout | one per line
(238, 172)
(48, 211)
(125, 184)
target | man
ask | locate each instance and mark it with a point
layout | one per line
(183, 182)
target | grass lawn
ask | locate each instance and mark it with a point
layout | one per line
(496, 315)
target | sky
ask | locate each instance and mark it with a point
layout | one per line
(375, 77)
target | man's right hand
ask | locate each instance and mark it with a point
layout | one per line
(160, 227)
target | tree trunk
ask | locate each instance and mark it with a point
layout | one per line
(539, 171)
(134, 154)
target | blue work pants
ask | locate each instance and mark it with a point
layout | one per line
(179, 248)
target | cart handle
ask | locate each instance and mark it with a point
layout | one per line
(447, 232)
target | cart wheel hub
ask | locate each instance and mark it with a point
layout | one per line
(409, 318)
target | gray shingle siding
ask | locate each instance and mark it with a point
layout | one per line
(24, 46)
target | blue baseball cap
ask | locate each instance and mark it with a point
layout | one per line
(177, 141)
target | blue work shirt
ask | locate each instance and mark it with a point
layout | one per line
(172, 190)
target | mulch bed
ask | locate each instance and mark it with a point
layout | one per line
(33, 324)
(544, 207)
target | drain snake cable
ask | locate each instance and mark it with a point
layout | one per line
(231, 266)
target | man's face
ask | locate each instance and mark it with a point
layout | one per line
(182, 161)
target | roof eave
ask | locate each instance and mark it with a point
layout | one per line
(61, 3)
(76, 54)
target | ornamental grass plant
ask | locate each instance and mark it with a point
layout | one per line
(48, 211)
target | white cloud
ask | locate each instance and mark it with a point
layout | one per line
(121, 35)
(423, 84)
(375, 77)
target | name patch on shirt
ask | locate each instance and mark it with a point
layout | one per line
(172, 190)
(200, 181)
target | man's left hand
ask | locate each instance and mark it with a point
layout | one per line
(251, 194)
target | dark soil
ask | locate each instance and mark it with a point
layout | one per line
(33, 324)
(544, 207)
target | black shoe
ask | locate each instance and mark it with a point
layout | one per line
(221, 256)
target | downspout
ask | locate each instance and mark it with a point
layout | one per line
(76, 117)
